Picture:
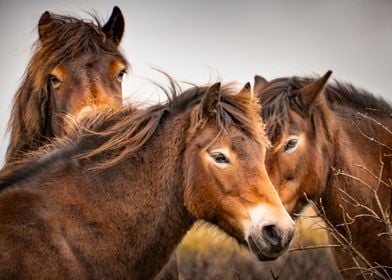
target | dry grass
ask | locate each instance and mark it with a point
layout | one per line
(207, 253)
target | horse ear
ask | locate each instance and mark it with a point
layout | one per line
(114, 28)
(45, 21)
(245, 94)
(259, 85)
(210, 101)
(310, 92)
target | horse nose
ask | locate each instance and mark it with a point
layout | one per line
(275, 237)
(272, 235)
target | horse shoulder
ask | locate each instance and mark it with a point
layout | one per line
(28, 234)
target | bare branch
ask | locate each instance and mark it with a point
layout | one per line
(372, 139)
(325, 246)
(375, 121)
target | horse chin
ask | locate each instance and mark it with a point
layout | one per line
(254, 248)
(263, 253)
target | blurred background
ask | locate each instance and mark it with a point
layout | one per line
(204, 40)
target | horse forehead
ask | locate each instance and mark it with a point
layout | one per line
(90, 61)
(241, 143)
(297, 123)
(92, 70)
(248, 149)
(213, 129)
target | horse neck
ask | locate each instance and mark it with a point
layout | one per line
(350, 188)
(363, 131)
(155, 199)
(354, 154)
(28, 128)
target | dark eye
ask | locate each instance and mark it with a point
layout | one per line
(121, 74)
(219, 157)
(291, 145)
(54, 81)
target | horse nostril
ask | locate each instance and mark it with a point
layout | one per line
(272, 234)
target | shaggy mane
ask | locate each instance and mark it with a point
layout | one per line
(278, 98)
(127, 130)
(119, 134)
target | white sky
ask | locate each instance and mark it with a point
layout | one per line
(198, 41)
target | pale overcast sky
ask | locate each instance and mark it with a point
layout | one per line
(199, 40)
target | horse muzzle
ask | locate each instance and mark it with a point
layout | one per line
(268, 242)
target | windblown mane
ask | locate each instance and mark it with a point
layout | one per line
(126, 131)
(119, 134)
(278, 98)
(65, 37)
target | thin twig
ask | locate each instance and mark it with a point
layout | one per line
(375, 121)
(325, 246)
(372, 139)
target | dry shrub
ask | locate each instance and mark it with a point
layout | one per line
(206, 253)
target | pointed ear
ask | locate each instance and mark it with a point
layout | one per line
(259, 85)
(310, 92)
(210, 102)
(114, 28)
(45, 22)
(245, 94)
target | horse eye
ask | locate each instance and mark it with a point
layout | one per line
(291, 145)
(121, 74)
(219, 158)
(54, 81)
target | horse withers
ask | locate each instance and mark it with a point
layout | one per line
(332, 143)
(116, 198)
(76, 65)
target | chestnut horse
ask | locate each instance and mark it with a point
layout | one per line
(115, 198)
(333, 143)
(75, 64)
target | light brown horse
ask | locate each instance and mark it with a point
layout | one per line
(115, 199)
(76, 64)
(333, 142)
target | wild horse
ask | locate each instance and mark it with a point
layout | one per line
(333, 143)
(76, 64)
(116, 198)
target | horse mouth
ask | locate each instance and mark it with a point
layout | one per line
(258, 252)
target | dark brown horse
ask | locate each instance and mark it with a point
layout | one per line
(115, 199)
(75, 65)
(333, 142)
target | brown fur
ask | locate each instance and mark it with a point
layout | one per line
(82, 56)
(103, 205)
(332, 136)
